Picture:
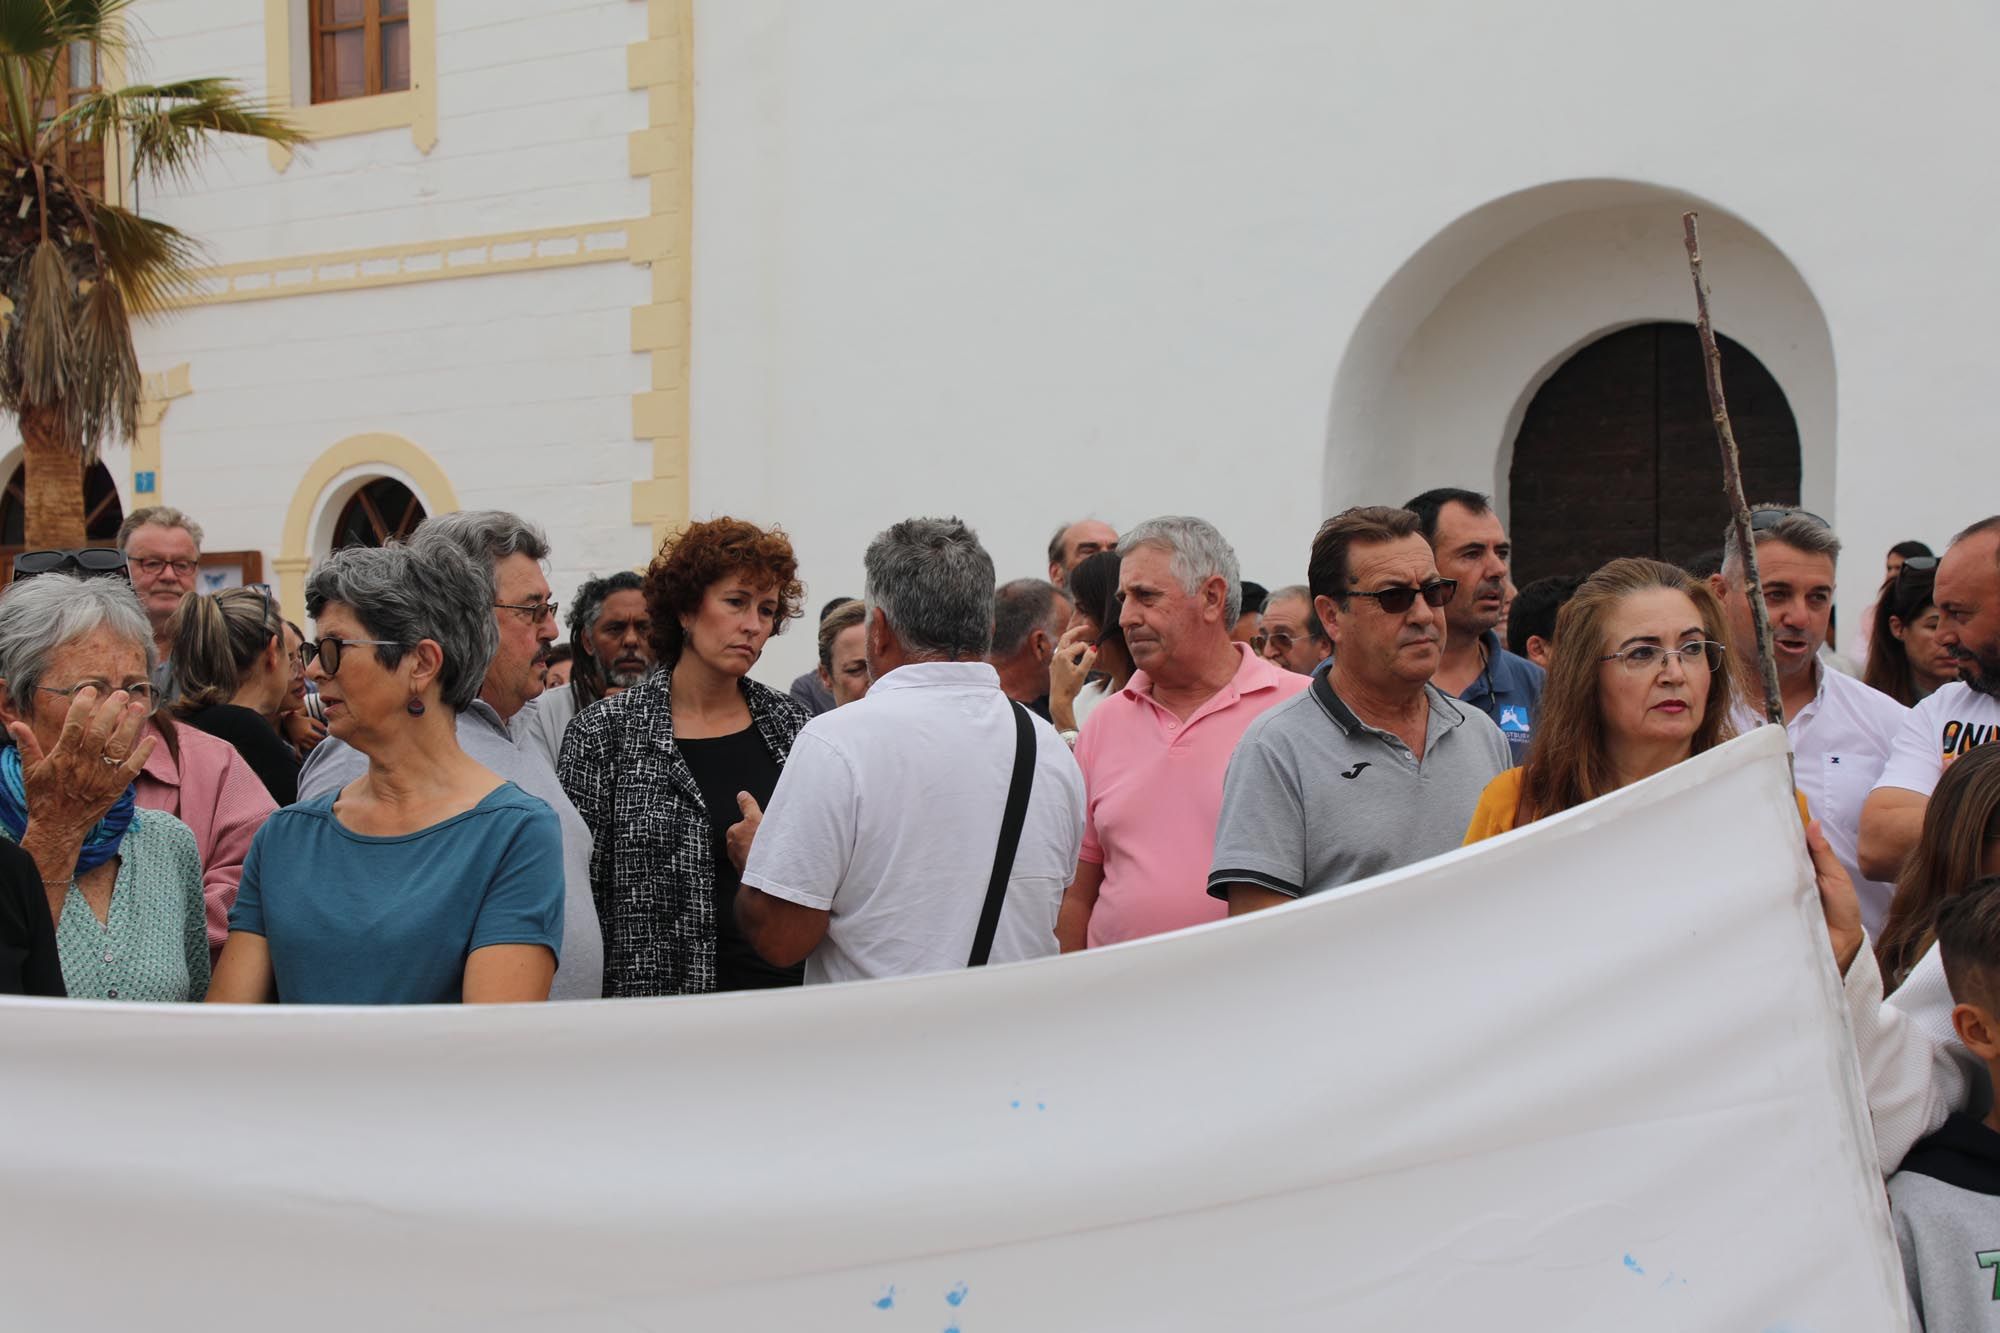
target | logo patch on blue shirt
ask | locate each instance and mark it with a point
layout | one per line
(1514, 718)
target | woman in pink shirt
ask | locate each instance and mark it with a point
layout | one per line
(205, 784)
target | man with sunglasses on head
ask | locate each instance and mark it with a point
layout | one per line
(162, 550)
(1472, 550)
(1953, 719)
(1841, 731)
(1289, 634)
(1373, 767)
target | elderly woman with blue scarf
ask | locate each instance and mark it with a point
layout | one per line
(124, 884)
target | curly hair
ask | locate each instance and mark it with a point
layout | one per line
(700, 555)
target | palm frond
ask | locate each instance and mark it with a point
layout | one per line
(167, 125)
(41, 28)
(151, 262)
(43, 326)
(105, 400)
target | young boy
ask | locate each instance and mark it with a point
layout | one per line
(1946, 1198)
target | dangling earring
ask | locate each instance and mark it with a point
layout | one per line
(416, 706)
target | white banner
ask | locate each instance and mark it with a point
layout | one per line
(1593, 1075)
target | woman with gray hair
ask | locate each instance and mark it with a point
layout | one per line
(429, 879)
(123, 884)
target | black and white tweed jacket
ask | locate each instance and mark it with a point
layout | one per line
(652, 863)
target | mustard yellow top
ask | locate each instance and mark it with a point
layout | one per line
(1495, 812)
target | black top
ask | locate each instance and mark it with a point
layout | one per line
(275, 762)
(28, 961)
(723, 766)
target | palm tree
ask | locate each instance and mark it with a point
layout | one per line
(76, 268)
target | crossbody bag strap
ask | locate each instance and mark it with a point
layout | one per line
(1010, 835)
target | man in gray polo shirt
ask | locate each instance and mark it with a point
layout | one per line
(1373, 767)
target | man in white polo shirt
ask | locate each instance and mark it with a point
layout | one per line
(1958, 716)
(1841, 731)
(874, 857)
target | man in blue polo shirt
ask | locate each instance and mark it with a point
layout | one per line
(1469, 545)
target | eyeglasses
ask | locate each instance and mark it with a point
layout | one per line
(536, 612)
(329, 649)
(1398, 600)
(140, 691)
(1277, 639)
(153, 565)
(90, 562)
(1763, 520)
(1643, 657)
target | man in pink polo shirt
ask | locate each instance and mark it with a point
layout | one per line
(1154, 755)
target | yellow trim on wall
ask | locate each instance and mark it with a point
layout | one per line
(663, 67)
(287, 25)
(156, 394)
(376, 449)
(423, 261)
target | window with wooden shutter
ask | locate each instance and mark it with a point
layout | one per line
(359, 48)
(78, 75)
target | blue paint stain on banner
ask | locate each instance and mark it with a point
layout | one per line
(1632, 1266)
(956, 1296)
(887, 1300)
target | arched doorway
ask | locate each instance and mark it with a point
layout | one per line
(1617, 455)
(382, 511)
(103, 511)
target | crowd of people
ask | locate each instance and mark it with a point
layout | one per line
(435, 801)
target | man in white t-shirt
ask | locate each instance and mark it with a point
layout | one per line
(1841, 731)
(874, 856)
(1954, 719)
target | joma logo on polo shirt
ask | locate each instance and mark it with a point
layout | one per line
(1355, 772)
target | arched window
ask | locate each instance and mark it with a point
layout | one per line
(382, 510)
(102, 509)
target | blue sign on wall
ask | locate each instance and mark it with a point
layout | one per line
(143, 483)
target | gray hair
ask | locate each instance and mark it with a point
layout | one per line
(41, 614)
(160, 516)
(408, 593)
(484, 534)
(1796, 529)
(933, 582)
(1199, 554)
(1022, 607)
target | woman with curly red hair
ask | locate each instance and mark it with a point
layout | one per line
(672, 774)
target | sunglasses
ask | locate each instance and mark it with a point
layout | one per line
(90, 562)
(1276, 639)
(1763, 520)
(329, 649)
(1398, 600)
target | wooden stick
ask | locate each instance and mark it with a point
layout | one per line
(1732, 480)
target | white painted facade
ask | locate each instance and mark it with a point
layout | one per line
(1022, 262)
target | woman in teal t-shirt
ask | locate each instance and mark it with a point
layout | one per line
(428, 880)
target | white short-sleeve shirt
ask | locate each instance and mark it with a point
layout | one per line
(1841, 741)
(887, 815)
(1955, 719)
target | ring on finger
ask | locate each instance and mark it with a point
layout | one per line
(113, 760)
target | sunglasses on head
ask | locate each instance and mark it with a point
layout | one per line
(1398, 600)
(1763, 520)
(90, 562)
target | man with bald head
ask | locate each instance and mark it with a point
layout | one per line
(1959, 716)
(1075, 543)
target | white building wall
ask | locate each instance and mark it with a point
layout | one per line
(518, 386)
(1032, 260)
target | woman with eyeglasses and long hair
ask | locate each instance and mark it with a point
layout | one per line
(122, 883)
(1637, 683)
(1092, 646)
(428, 879)
(235, 679)
(1905, 660)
